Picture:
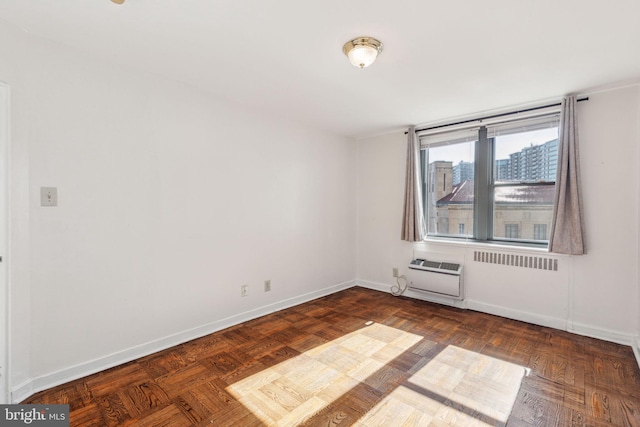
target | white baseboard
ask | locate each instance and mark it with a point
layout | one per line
(636, 348)
(375, 286)
(28, 388)
(382, 287)
(21, 392)
(43, 382)
(601, 334)
(523, 316)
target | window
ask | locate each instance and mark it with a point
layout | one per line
(511, 231)
(447, 168)
(515, 160)
(540, 232)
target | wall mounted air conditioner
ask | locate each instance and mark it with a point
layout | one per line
(436, 277)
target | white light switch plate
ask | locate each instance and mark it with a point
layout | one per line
(48, 196)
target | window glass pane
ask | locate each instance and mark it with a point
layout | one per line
(530, 156)
(450, 189)
(523, 212)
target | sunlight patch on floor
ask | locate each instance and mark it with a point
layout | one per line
(298, 388)
(457, 387)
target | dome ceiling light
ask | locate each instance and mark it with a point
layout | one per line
(362, 51)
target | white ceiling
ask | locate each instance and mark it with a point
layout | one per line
(440, 60)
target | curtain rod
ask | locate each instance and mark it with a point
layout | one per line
(526, 110)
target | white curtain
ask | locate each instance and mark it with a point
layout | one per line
(413, 227)
(567, 227)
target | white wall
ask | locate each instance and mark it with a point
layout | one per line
(606, 280)
(169, 201)
(595, 294)
(637, 341)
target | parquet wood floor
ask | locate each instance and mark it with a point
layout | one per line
(365, 358)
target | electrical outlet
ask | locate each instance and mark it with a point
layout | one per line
(395, 272)
(267, 285)
(244, 290)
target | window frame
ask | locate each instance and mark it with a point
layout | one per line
(485, 172)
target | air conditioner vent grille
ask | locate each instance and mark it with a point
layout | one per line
(432, 264)
(450, 266)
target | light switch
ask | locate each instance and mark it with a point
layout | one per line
(48, 196)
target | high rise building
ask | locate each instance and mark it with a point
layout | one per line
(503, 170)
(533, 163)
(462, 171)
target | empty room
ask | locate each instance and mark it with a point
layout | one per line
(334, 213)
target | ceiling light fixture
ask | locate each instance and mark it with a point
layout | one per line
(118, 1)
(362, 51)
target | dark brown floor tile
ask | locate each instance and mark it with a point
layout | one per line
(114, 379)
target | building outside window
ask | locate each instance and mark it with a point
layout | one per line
(463, 171)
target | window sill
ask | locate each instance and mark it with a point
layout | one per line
(470, 244)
